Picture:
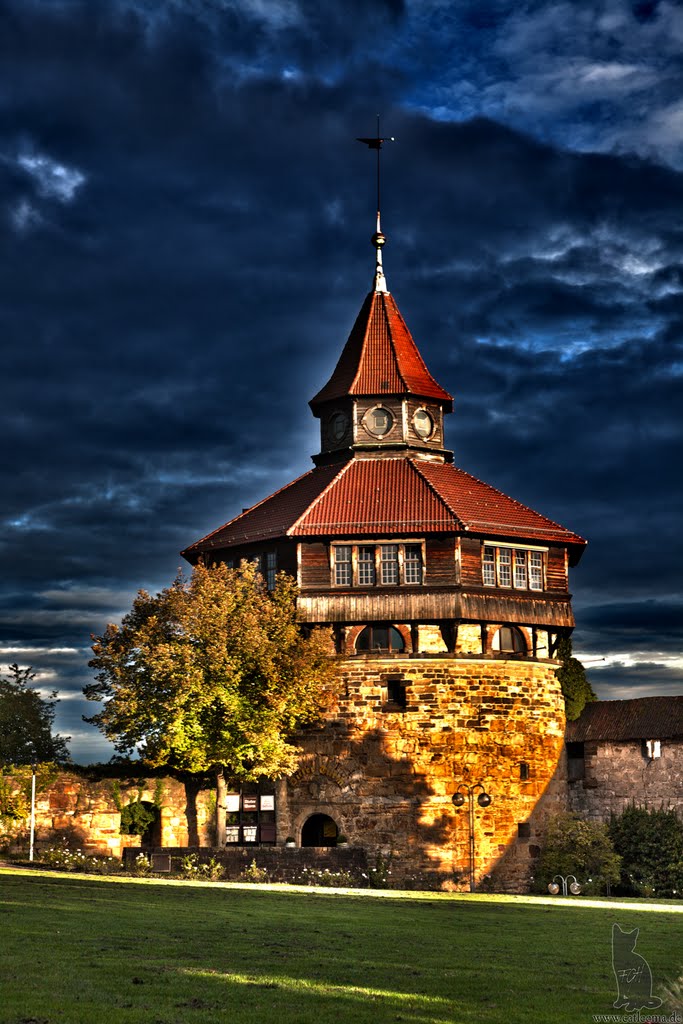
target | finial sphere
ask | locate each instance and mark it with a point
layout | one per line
(378, 240)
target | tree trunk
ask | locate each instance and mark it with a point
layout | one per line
(221, 807)
(191, 791)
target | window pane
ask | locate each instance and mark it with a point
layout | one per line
(505, 567)
(413, 563)
(489, 567)
(366, 566)
(536, 570)
(509, 640)
(379, 639)
(271, 569)
(520, 568)
(343, 572)
(396, 639)
(389, 563)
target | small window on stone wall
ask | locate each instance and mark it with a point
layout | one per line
(524, 771)
(576, 762)
(523, 830)
(396, 694)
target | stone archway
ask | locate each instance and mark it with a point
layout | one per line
(319, 830)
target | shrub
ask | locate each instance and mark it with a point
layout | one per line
(378, 877)
(136, 818)
(650, 843)
(192, 867)
(580, 848)
(326, 878)
(141, 865)
(61, 858)
(253, 873)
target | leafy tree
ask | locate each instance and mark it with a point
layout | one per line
(651, 846)
(580, 848)
(26, 721)
(212, 675)
(576, 689)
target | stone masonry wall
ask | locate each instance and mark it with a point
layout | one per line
(386, 776)
(80, 809)
(617, 775)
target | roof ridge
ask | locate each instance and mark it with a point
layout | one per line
(371, 296)
(392, 342)
(416, 349)
(519, 504)
(247, 511)
(437, 494)
(293, 526)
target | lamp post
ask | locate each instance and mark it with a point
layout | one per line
(33, 811)
(568, 883)
(465, 792)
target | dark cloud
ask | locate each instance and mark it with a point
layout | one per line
(184, 232)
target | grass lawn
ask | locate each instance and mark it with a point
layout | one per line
(83, 950)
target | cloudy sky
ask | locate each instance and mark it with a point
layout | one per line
(185, 222)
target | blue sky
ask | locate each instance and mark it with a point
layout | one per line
(184, 222)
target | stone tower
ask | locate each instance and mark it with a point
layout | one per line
(446, 599)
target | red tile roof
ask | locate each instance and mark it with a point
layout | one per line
(484, 509)
(380, 357)
(385, 497)
(644, 718)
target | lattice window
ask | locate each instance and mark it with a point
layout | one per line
(389, 563)
(489, 567)
(520, 569)
(536, 570)
(343, 566)
(413, 564)
(504, 567)
(366, 566)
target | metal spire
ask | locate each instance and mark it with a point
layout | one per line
(378, 240)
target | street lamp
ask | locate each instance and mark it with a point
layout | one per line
(568, 883)
(465, 792)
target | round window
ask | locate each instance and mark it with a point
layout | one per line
(423, 423)
(379, 421)
(339, 423)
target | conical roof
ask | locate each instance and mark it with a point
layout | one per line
(381, 358)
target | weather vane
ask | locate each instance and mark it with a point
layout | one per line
(377, 143)
(378, 238)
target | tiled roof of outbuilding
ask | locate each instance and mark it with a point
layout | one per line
(381, 358)
(385, 497)
(643, 718)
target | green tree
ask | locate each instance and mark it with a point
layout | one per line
(650, 842)
(581, 848)
(26, 722)
(576, 689)
(212, 675)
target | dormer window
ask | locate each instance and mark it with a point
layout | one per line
(513, 566)
(370, 565)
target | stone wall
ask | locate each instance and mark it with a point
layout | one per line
(618, 774)
(386, 775)
(80, 808)
(385, 771)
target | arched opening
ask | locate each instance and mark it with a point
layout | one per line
(380, 639)
(319, 830)
(142, 818)
(508, 640)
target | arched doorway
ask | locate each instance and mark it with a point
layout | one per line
(319, 830)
